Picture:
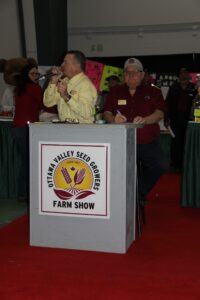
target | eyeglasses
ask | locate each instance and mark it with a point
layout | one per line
(34, 73)
(132, 73)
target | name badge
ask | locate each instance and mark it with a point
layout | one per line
(121, 102)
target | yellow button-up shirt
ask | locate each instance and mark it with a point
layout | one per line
(81, 105)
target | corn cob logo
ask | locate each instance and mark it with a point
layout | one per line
(73, 180)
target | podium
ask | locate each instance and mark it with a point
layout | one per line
(83, 186)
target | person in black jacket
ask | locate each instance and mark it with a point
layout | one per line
(179, 101)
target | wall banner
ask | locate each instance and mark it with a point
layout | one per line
(74, 179)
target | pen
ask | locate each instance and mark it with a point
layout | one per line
(118, 112)
(171, 131)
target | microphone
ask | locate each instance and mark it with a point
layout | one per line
(48, 75)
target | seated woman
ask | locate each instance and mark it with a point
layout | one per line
(28, 104)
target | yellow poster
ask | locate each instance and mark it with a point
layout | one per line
(108, 71)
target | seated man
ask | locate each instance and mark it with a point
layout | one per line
(134, 102)
(75, 95)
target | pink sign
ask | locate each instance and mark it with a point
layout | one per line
(94, 71)
(195, 77)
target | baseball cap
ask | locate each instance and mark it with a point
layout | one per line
(134, 62)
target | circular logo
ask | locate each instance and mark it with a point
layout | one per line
(73, 177)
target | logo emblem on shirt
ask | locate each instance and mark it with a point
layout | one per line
(147, 98)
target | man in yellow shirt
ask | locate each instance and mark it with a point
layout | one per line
(75, 95)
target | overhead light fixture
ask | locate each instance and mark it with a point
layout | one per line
(140, 33)
(147, 29)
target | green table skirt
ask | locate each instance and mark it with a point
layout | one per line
(9, 162)
(191, 171)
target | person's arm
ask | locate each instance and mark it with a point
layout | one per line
(110, 118)
(51, 95)
(150, 119)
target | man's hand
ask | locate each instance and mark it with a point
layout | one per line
(119, 118)
(56, 75)
(110, 118)
(62, 89)
(154, 118)
(139, 120)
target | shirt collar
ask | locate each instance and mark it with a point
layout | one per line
(76, 78)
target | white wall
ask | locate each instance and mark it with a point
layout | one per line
(131, 12)
(129, 27)
(112, 28)
(9, 29)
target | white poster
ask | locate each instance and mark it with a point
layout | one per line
(74, 179)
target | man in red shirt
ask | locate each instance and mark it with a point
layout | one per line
(140, 104)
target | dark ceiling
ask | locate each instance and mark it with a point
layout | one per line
(158, 63)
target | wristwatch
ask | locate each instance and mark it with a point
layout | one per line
(67, 97)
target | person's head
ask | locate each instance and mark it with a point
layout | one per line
(33, 74)
(112, 80)
(73, 63)
(133, 73)
(184, 75)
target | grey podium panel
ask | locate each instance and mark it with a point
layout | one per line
(114, 234)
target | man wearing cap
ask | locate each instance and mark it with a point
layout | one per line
(140, 104)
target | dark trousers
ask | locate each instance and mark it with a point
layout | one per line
(21, 138)
(152, 163)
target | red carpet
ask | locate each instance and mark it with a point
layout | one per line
(164, 264)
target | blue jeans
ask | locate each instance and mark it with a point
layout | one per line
(151, 163)
(21, 138)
